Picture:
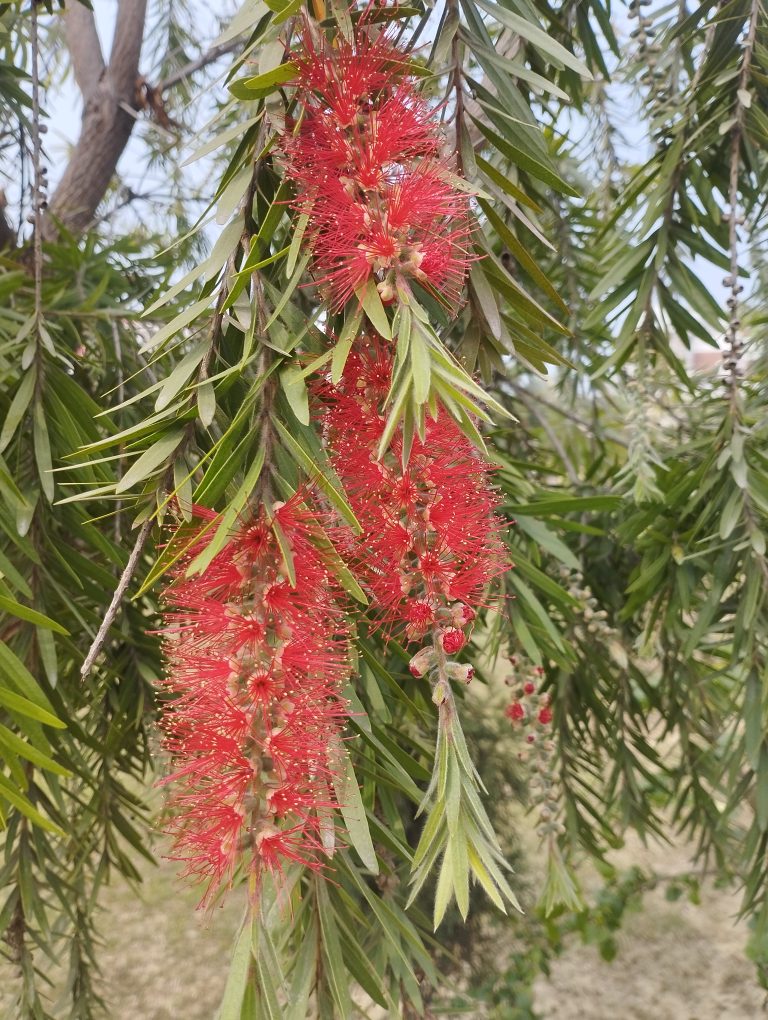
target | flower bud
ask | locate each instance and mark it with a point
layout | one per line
(460, 671)
(440, 692)
(461, 615)
(422, 662)
(515, 712)
(452, 640)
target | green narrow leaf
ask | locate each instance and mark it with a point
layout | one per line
(12, 795)
(303, 976)
(150, 460)
(42, 445)
(239, 971)
(444, 889)
(228, 518)
(481, 873)
(371, 303)
(23, 706)
(421, 363)
(30, 615)
(295, 246)
(267, 82)
(47, 647)
(39, 706)
(338, 978)
(21, 401)
(15, 745)
(343, 345)
(353, 811)
(178, 323)
(268, 992)
(206, 402)
(180, 376)
(285, 549)
(295, 389)
(535, 35)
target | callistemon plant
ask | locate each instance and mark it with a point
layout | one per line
(257, 643)
(371, 177)
(256, 661)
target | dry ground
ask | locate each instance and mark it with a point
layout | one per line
(165, 961)
(676, 961)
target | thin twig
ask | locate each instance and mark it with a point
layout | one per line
(120, 398)
(117, 598)
(458, 90)
(570, 416)
(560, 450)
(38, 193)
(202, 61)
(732, 360)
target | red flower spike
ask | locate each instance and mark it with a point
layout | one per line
(255, 668)
(545, 716)
(529, 688)
(366, 165)
(430, 543)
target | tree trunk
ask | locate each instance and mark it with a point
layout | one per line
(107, 90)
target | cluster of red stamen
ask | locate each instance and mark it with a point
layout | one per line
(256, 665)
(430, 542)
(365, 158)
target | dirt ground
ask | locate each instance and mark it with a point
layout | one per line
(676, 961)
(163, 959)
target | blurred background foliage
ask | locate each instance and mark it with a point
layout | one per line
(618, 159)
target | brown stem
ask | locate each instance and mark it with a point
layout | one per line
(84, 47)
(458, 87)
(732, 359)
(209, 57)
(38, 197)
(109, 108)
(117, 598)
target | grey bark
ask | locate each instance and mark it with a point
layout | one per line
(106, 127)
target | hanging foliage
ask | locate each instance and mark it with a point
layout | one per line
(397, 382)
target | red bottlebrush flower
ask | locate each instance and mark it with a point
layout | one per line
(430, 537)
(515, 711)
(545, 716)
(452, 640)
(529, 688)
(365, 161)
(421, 618)
(255, 668)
